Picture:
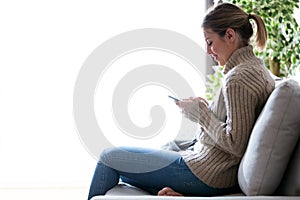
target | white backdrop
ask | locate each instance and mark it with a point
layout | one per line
(43, 45)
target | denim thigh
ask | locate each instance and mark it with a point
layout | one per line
(153, 170)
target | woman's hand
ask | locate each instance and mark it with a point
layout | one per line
(191, 107)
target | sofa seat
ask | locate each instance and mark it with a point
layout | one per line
(127, 192)
(194, 198)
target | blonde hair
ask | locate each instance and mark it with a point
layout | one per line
(226, 15)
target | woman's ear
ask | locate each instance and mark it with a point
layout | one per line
(230, 35)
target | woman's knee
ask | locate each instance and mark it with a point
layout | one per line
(108, 155)
(112, 153)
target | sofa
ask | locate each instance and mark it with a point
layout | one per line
(270, 167)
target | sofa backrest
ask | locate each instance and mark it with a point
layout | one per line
(272, 142)
(290, 184)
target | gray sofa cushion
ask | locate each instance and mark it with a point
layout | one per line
(124, 189)
(272, 141)
(290, 184)
(193, 198)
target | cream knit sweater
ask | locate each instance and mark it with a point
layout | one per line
(227, 123)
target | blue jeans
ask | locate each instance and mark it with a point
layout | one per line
(147, 169)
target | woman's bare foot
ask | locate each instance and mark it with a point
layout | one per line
(168, 192)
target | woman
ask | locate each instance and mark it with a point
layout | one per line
(210, 166)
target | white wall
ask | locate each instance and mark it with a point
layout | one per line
(43, 45)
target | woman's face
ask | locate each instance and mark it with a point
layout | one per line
(220, 48)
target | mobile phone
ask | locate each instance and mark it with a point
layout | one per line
(173, 98)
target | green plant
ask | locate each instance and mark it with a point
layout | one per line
(283, 46)
(214, 83)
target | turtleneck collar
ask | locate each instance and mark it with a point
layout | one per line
(240, 55)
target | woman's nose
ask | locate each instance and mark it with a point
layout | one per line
(208, 50)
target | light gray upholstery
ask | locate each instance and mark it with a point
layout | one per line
(291, 181)
(193, 198)
(272, 141)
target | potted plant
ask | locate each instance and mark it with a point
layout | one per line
(283, 46)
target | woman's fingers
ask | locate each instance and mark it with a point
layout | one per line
(186, 105)
(201, 99)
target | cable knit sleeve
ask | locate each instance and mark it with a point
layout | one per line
(231, 135)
